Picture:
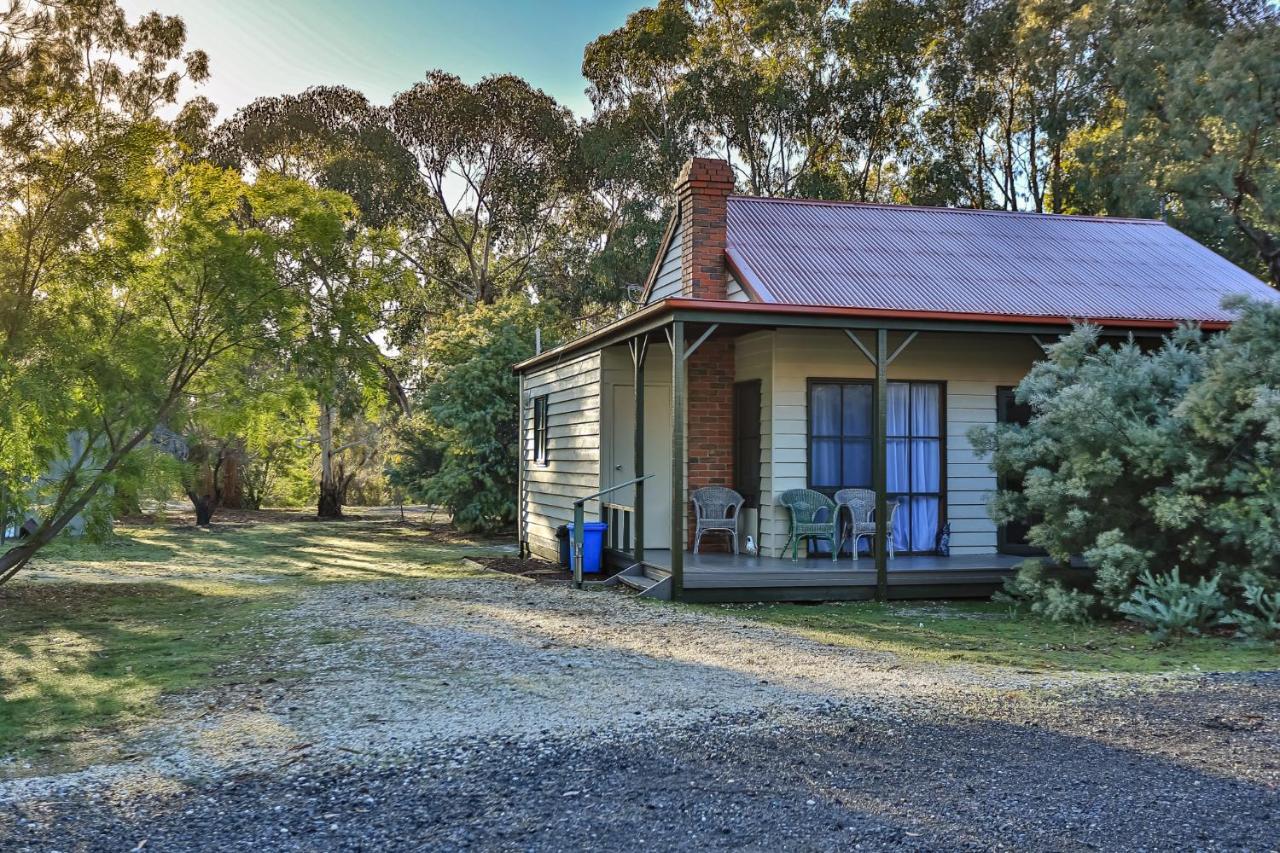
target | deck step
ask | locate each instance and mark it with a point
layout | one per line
(656, 573)
(640, 583)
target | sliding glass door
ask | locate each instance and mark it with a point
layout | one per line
(841, 418)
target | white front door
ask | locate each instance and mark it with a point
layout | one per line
(619, 437)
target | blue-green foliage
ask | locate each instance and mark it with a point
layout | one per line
(1152, 459)
(1169, 606)
(1046, 597)
(1258, 616)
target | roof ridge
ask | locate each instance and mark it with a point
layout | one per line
(960, 210)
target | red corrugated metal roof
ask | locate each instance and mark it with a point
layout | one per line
(947, 260)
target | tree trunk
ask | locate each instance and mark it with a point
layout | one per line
(204, 506)
(330, 502)
(1266, 244)
(330, 505)
(1055, 178)
(232, 486)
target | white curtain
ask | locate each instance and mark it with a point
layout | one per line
(914, 462)
(897, 458)
(824, 426)
(926, 464)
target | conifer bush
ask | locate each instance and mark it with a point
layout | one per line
(1149, 460)
(1258, 616)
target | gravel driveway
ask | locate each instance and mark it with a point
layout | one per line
(500, 714)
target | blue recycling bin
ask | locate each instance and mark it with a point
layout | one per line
(592, 547)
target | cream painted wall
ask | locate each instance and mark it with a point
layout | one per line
(971, 365)
(618, 456)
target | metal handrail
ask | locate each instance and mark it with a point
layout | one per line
(579, 520)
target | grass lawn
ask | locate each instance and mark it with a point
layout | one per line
(92, 635)
(987, 633)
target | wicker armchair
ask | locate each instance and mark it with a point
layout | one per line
(861, 504)
(716, 510)
(805, 506)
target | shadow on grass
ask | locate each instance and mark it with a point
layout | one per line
(988, 633)
(83, 656)
(158, 609)
(267, 551)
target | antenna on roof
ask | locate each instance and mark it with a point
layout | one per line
(635, 293)
(537, 341)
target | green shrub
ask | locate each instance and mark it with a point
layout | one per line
(1047, 597)
(1259, 617)
(1142, 459)
(1168, 606)
(464, 454)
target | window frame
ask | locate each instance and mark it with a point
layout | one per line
(941, 438)
(541, 419)
(1005, 544)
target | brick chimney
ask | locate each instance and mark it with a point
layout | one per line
(701, 189)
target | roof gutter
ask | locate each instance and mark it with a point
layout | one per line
(907, 314)
(763, 310)
(633, 319)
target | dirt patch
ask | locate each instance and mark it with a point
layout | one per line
(445, 533)
(541, 571)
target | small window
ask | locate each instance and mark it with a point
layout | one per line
(540, 429)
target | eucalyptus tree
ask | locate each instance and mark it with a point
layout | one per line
(494, 160)
(353, 275)
(644, 108)
(1057, 40)
(342, 275)
(329, 136)
(1008, 84)
(333, 138)
(639, 135)
(966, 149)
(807, 98)
(766, 76)
(880, 49)
(1191, 127)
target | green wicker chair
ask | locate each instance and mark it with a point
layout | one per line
(805, 506)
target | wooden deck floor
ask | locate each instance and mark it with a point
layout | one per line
(737, 577)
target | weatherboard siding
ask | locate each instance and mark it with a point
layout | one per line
(753, 356)
(668, 282)
(572, 470)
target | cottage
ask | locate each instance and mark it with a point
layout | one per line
(826, 346)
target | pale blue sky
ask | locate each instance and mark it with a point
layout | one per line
(272, 47)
